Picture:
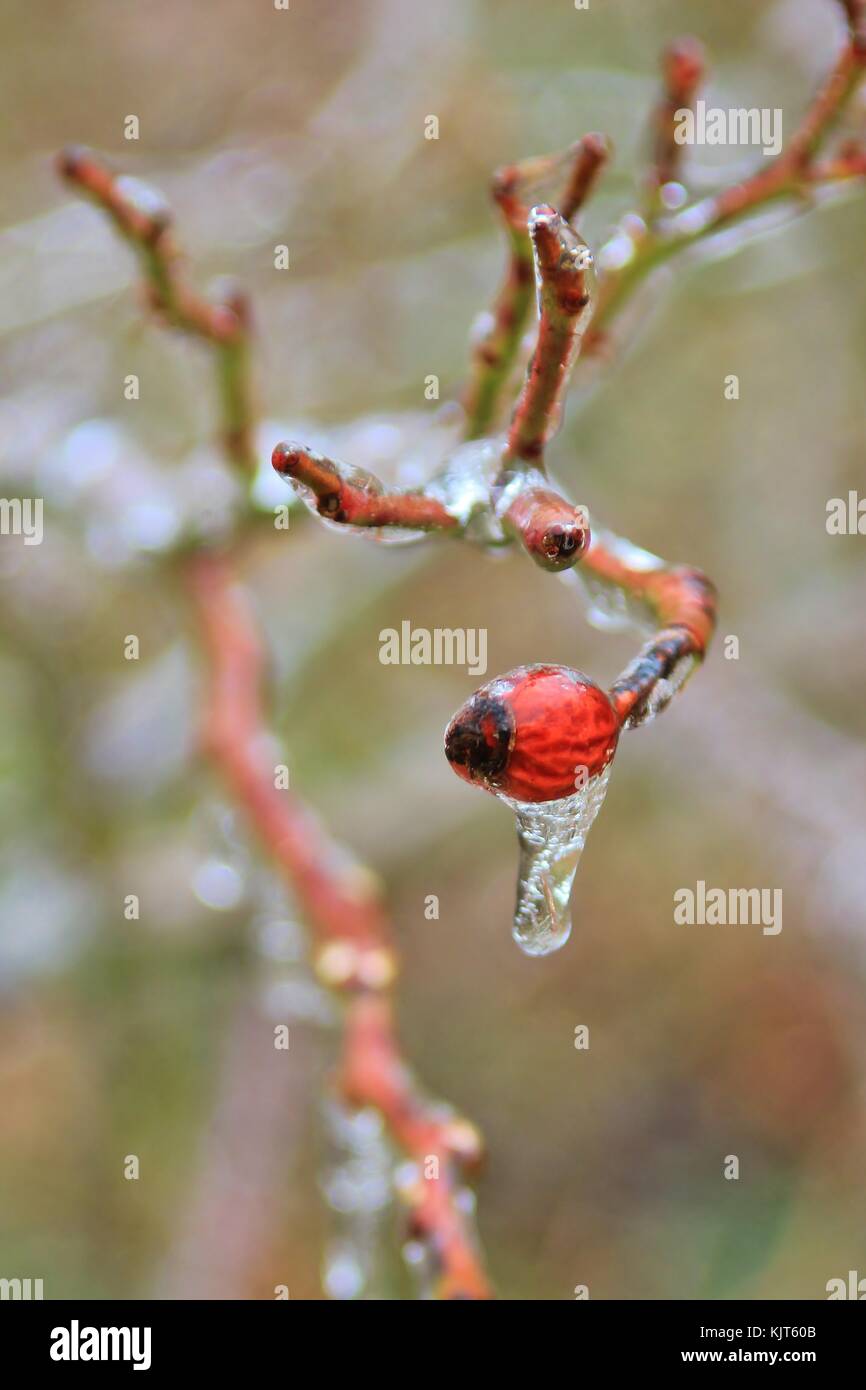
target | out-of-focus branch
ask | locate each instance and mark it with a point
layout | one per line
(352, 934)
(143, 218)
(499, 333)
(222, 1243)
(849, 162)
(589, 157)
(683, 67)
(440, 1145)
(563, 263)
(794, 174)
(354, 954)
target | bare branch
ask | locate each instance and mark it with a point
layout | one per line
(497, 341)
(354, 952)
(143, 218)
(683, 69)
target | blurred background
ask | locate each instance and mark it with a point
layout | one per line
(153, 1037)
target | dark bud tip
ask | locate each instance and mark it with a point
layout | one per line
(563, 544)
(478, 739)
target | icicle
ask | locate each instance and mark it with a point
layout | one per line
(552, 835)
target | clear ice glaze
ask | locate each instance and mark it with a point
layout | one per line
(552, 835)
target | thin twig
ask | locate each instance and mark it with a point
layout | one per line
(683, 67)
(554, 533)
(680, 600)
(497, 341)
(144, 219)
(354, 952)
(354, 955)
(563, 264)
(341, 498)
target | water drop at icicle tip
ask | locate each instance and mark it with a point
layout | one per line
(541, 738)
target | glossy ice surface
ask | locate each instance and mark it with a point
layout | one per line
(552, 835)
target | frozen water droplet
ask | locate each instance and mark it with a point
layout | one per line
(552, 835)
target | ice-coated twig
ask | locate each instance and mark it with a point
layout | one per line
(354, 953)
(141, 215)
(554, 533)
(353, 949)
(341, 498)
(498, 336)
(563, 267)
(679, 600)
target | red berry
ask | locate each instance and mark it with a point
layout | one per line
(535, 734)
